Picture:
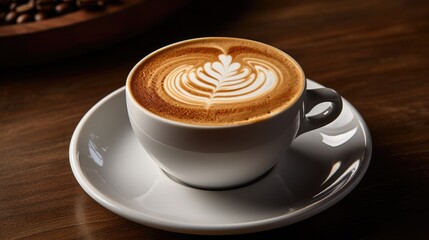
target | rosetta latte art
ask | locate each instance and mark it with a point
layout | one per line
(221, 82)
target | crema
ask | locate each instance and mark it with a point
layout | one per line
(217, 81)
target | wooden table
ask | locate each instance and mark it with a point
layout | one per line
(375, 53)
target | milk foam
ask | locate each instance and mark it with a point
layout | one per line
(221, 82)
(217, 81)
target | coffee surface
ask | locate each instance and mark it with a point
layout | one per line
(217, 81)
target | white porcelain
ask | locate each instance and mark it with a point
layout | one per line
(321, 167)
(219, 157)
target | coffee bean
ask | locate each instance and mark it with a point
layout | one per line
(46, 2)
(90, 4)
(62, 8)
(40, 16)
(45, 8)
(25, 8)
(86, 3)
(45, 5)
(19, 2)
(23, 18)
(12, 6)
(11, 17)
(11, 10)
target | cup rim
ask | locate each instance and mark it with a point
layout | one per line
(196, 126)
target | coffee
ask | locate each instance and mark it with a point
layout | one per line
(217, 81)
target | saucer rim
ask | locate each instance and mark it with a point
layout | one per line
(207, 228)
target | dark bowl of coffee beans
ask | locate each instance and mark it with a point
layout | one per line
(23, 11)
(41, 31)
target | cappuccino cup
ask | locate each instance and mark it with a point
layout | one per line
(218, 112)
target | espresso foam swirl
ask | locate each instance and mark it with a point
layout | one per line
(221, 82)
(216, 81)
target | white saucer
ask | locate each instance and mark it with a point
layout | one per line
(322, 167)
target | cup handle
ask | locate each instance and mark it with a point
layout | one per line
(315, 97)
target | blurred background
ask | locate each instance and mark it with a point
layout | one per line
(374, 53)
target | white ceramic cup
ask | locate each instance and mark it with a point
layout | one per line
(220, 157)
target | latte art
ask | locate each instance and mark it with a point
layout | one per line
(216, 81)
(221, 82)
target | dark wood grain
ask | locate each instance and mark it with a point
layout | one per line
(375, 53)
